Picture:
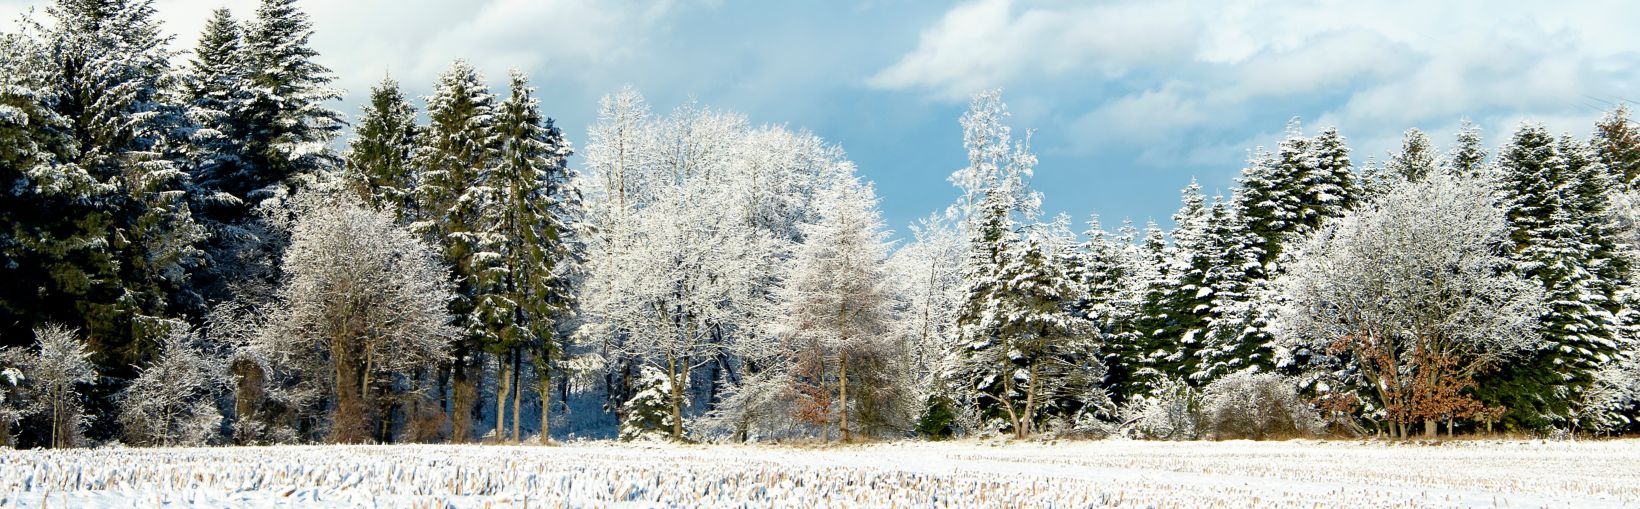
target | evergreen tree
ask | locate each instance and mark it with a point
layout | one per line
(109, 73)
(1238, 336)
(1332, 188)
(531, 214)
(288, 126)
(1416, 159)
(1175, 324)
(1554, 192)
(49, 253)
(1112, 287)
(379, 155)
(1468, 159)
(216, 90)
(1268, 199)
(457, 151)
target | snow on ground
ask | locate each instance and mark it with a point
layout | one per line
(1114, 473)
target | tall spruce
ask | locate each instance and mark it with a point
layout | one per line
(532, 212)
(288, 126)
(457, 149)
(215, 86)
(1554, 199)
(379, 155)
(110, 73)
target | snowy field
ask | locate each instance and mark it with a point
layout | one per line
(1075, 474)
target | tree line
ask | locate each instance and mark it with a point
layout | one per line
(191, 261)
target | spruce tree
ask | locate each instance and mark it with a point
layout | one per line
(1468, 158)
(1238, 336)
(1176, 324)
(379, 155)
(531, 213)
(1416, 159)
(112, 70)
(457, 150)
(1554, 201)
(215, 87)
(288, 126)
(1332, 188)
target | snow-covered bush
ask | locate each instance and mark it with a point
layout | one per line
(649, 412)
(61, 365)
(174, 400)
(12, 404)
(1172, 412)
(1253, 405)
(759, 408)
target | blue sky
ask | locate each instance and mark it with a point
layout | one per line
(1128, 100)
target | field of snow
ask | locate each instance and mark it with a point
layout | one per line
(1072, 474)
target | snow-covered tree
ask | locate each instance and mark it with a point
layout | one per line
(1556, 196)
(1416, 158)
(457, 150)
(173, 401)
(1468, 157)
(997, 164)
(379, 155)
(60, 368)
(364, 302)
(109, 73)
(1028, 358)
(215, 87)
(1238, 336)
(837, 309)
(531, 213)
(1411, 297)
(1617, 141)
(288, 126)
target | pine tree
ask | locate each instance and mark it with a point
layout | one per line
(457, 150)
(1268, 198)
(1176, 325)
(1555, 200)
(1238, 336)
(215, 86)
(531, 214)
(49, 254)
(1416, 159)
(110, 74)
(1332, 188)
(288, 126)
(1468, 159)
(1042, 362)
(379, 155)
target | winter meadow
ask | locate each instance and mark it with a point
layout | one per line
(218, 289)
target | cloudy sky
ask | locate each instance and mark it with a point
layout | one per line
(1129, 100)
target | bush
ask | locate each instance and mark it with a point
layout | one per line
(1256, 406)
(1171, 412)
(938, 421)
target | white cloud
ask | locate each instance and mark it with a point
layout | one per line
(1150, 71)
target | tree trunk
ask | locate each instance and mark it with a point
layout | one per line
(56, 421)
(672, 375)
(503, 382)
(544, 379)
(517, 392)
(461, 406)
(842, 396)
(348, 422)
(1429, 428)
